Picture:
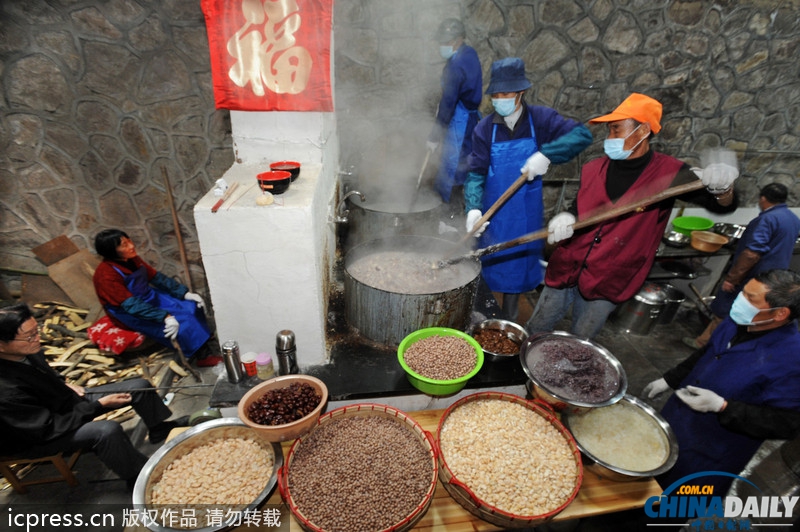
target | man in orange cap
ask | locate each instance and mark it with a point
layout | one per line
(594, 269)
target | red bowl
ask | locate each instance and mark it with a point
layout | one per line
(292, 167)
(276, 182)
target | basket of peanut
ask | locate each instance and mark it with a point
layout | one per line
(534, 471)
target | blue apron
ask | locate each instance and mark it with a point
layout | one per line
(518, 269)
(193, 331)
(454, 150)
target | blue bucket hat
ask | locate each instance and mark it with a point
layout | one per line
(508, 75)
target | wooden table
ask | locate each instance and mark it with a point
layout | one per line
(596, 496)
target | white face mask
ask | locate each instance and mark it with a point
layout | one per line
(742, 312)
(446, 52)
(615, 148)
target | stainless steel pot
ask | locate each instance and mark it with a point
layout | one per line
(674, 300)
(640, 313)
(388, 316)
(381, 217)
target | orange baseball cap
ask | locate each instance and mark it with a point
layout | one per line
(637, 106)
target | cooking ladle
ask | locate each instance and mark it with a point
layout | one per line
(591, 220)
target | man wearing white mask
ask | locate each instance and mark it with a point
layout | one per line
(462, 83)
(516, 139)
(594, 269)
(741, 388)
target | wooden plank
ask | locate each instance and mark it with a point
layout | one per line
(55, 250)
(74, 275)
(40, 288)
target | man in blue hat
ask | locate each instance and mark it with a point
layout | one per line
(462, 83)
(516, 139)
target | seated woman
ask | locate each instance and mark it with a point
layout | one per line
(136, 296)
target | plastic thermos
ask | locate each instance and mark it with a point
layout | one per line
(286, 351)
(233, 364)
(264, 366)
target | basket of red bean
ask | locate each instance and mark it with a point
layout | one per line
(500, 339)
(284, 408)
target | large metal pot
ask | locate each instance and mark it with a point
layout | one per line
(674, 300)
(640, 313)
(443, 298)
(383, 216)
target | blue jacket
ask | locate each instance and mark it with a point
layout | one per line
(772, 235)
(462, 81)
(559, 139)
(760, 379)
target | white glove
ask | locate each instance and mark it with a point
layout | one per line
(717, 177)
(432, 146)
(171, 327)
(191, 296)
(472, 218)
(657, 387)
(560, 227)
(700, 399)
(537, 164)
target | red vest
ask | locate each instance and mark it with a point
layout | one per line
(611, 260)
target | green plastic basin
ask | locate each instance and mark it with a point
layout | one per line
(434, 386)
(687, 224)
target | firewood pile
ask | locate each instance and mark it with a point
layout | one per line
(69, 351)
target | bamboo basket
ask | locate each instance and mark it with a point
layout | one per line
(464, 496)
(366, 410)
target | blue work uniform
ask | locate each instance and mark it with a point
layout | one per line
(763, 371)
(771, 234)
(462, 82)
(193, 331)
(497, 156)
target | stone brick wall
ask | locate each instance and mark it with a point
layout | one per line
(98, 96)
(725, 71)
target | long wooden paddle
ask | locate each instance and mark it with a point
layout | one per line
(596, 218)
(497, 204)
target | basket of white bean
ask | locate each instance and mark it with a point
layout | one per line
(507, 460)
(364, 467)
(220, 467)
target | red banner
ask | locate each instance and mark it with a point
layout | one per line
(270, 55)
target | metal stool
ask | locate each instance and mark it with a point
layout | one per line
(9, 467)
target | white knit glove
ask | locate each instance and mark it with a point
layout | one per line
(432, 146)
(700, 399)
(718, 177)
(560, 227)
(536, 165)
(171, 327)
(472, 218)
(657, 387)
(191, 296)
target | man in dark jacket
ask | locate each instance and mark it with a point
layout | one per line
(741, 388)
(41, 414)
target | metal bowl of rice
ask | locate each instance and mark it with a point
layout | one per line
(625, 441)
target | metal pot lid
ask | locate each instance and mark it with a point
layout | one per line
(652, 293)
